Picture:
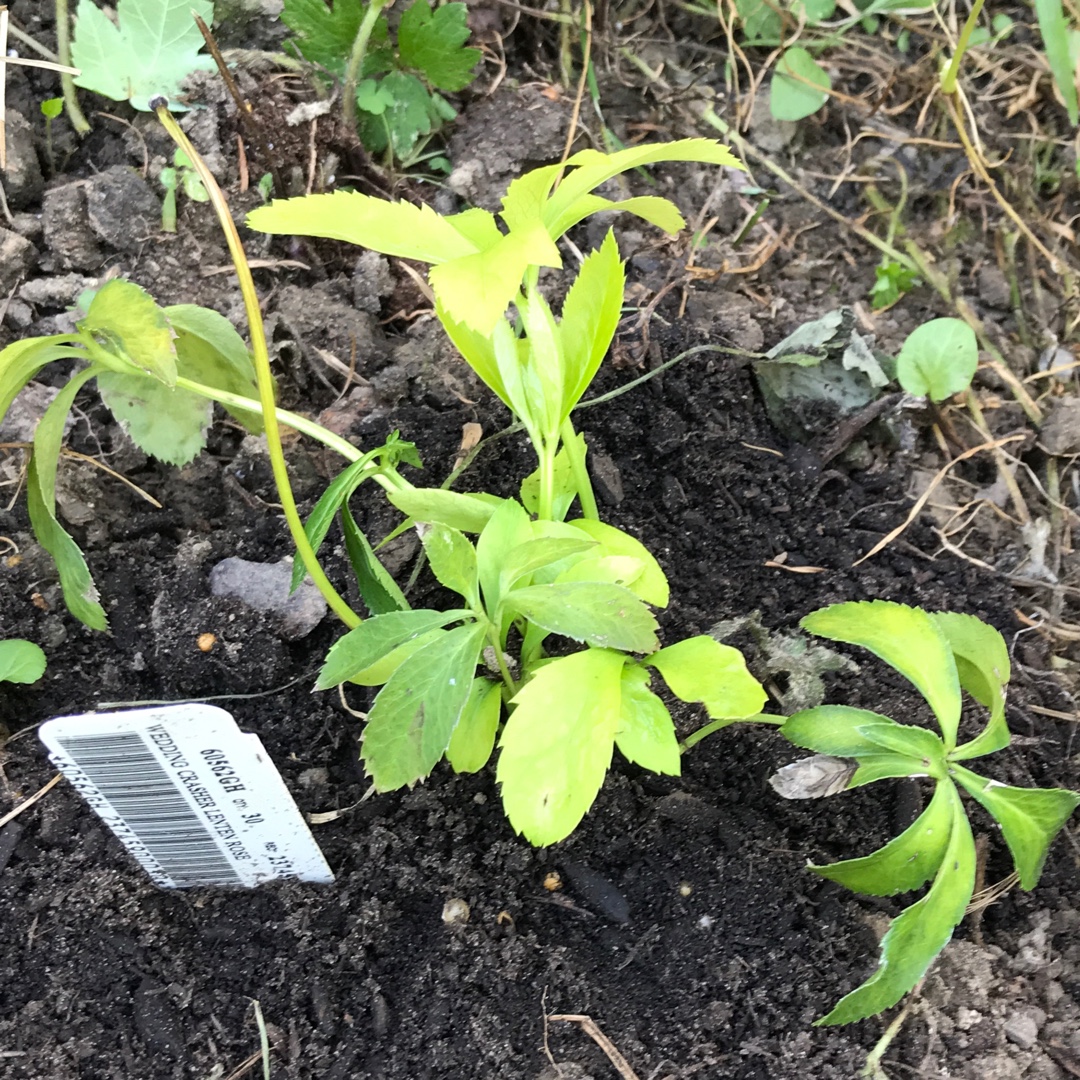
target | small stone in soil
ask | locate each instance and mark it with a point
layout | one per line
(597, 891)
(17, 259)
(265, 587)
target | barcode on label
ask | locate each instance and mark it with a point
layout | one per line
(194, 799)
(128, 775)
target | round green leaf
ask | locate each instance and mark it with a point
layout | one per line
(799, 87)
(21, 661)
(938, 359)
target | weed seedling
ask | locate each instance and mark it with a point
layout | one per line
(21, 661)
(51, 108)
(942, 655)
(391, 88)
(181, 174)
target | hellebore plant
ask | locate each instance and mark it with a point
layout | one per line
(531, 574)
(942, 655)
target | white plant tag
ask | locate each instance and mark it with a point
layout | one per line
(192, 797)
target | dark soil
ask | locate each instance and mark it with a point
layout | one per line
(731, 950)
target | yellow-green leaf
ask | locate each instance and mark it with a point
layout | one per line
(557, 744)
(646, 734)
(701, 669)
(909, 640)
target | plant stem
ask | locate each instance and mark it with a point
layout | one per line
(760, 718)
(67, 81)
(948, 80)
(289, 419)
(580, 470)
(356, 60)
(546, 507)
(262, 370)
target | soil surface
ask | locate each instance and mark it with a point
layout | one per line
(731, 949)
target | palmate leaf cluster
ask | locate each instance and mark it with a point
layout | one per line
(398, 96)
(942, 655)
(526, 580)
(138, 352)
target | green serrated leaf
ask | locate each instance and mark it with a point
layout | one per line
(533, 555)
(982, 664)
(210, 351)
(835, 730)
(431, 43)
(701, 669)
(474, 737)
(436, 506)
(652, 585)
(414, 715)
(153, 46)
(938, 359)
(453, 561)
(590, 315)
(21, 661)
(884, 766)
(1030, 818)
(325, 35)
(477, 289)
(380, 672)
(167, 423)
(507, 529)
(392, 228)
(604, 616)
(126, 322)
(377, 637)
(917, 936)
(557, 744)
(379, 591)
(799, 86)
(591, 168)
(906, 638)
(915, 742)
(612, 569)
(905, 862)
(646, 732)
(412, 112)
(22, 360)
(80, 593)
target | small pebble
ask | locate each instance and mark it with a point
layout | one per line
(455, 912)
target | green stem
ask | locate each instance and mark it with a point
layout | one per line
(265, 377)
(289, 419)
(67, 80)
(760, 718)
(356, 60)
(546, 507)
(581, 473)
(948, 80)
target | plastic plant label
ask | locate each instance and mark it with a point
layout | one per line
(196, 801)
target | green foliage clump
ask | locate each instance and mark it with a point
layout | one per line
(398, 84)
(943, 655)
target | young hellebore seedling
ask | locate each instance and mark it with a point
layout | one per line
(943, 655)
(531, 574)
